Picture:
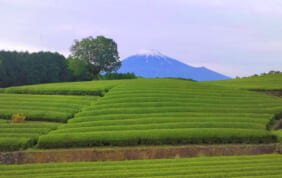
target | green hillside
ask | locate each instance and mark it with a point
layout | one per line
(266, 166)
(43, 107)
(140, 112)
(15, 136)
(98, 88)
(169, 111)
(264, 82)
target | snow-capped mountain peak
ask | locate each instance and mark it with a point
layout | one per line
(151, 52)
(152, 63)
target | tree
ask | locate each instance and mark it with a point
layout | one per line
(99, 53)
(78, 68)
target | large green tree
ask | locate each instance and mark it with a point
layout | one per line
(78, 69)
(100, 53)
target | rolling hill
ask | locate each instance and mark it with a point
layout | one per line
(140, 112)
(266, 82)
(143, 112)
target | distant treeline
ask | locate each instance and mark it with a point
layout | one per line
(23, 68)
(263, 74)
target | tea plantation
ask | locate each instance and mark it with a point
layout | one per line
(15, 136)
(141, 112)
(169, 111)
(264, 82)
(263, 166)
(42, 107)
(98, 88)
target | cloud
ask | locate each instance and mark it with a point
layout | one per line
(27, 48)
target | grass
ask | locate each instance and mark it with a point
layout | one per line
(43, 107)
(168, 111)
(229, 166)
(278, 133)
(98, 88)
(16, 136)
(265, 82)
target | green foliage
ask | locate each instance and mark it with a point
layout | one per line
(169, 111)
(18, 68)
(278, 133)
(99, 53)
(79, 69)
(3, 121)
(98, 88)
(270, 81)
(22, 135)
(114, 76)
(155, 136)
(42, 107)
(267, 166)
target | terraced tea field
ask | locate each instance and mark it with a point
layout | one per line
(263, 166)
(138, 112)
(15, 136)
(265, 82)
(98, 88)
(43, 107)
(169, 111)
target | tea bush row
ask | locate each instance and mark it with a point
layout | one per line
(98, 88)
(155, 137)
(17, 136)
(42, 107)
(230, 166)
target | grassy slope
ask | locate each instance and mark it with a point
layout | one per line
(168, 111)
(265, 82)
(43, 107)
(15, 136)
(98, 88)
(269, 82)
(239, 166)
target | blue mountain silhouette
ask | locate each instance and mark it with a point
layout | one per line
(153, 64)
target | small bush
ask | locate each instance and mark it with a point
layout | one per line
(18, 118)
(116, 76)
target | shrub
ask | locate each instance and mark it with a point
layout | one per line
(18, 118)
(114, 76)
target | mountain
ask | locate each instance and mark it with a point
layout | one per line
(152, 64)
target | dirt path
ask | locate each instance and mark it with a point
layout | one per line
(277, 93)
(133, 153)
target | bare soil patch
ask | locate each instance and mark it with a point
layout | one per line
(134, 153)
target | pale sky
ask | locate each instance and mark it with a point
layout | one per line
(233, 37)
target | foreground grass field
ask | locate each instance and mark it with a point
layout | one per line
(15, 136)
(169, 111)
(98, 88)
(266, 166)
(43, 107)
(264, 82)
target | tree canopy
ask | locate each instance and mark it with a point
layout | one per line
(100, 53)
(22, 68)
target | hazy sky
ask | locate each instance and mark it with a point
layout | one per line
(234, 37)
